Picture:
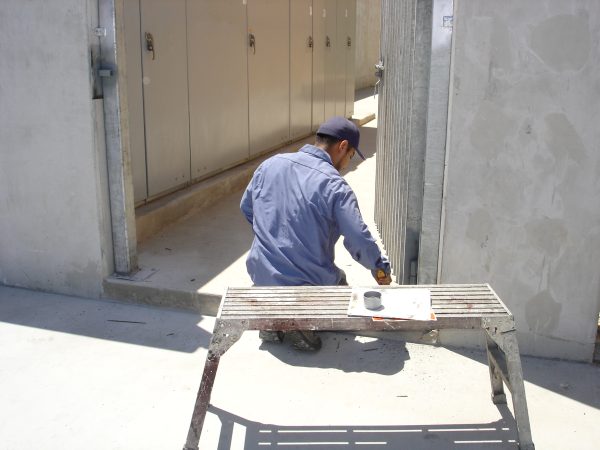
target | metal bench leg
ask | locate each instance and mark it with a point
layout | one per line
(224, 336)
(505, 360)
(515, 375)
(498, 396)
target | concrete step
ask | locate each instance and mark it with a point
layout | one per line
(138, 291)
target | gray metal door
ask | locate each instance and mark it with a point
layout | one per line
(340, 57)
(318, 79)
(164, 65)
(413, 104)
(393, 134)
(218, 84)
(330, 58)
(301, 46)
(268, 74)
(135, 98)
(350, 56)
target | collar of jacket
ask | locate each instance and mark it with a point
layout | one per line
(316, 152)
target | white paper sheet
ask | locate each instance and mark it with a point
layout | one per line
(396, 303)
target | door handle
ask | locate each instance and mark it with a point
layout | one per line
(150, 44)
(327, 41)
(310, 42)
(349, 41)
(252, 42)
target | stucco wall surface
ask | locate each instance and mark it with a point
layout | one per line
(368, 31)
(522, 197)
(51, 211)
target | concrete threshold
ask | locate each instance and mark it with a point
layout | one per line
(134, 291)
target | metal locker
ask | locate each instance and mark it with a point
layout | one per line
(165, 86)
(318, 78)
(268, 74)
(218, 84)
(330, 57)
(340, 57)
(135, 99)
(301, 46)
(350, 56)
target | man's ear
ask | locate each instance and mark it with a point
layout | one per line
(344, 146)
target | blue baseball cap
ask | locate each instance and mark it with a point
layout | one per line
(342, 129)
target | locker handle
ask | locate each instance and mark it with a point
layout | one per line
(310, 42)
(150, 44)
(327, 41)
(349, 41)
(252, 42)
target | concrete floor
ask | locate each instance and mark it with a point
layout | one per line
(80, 373)
(106, 375)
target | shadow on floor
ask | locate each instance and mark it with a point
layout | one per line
(369, 355)
(500, 434)
(577, 381)
(132, 324)
(364, 93)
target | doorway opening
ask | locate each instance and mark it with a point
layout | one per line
(212, 89)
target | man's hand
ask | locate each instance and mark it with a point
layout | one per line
(382, 277)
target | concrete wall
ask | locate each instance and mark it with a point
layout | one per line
(368, 30)
(522, 197)
(53, 214)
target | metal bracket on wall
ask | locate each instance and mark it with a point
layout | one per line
(379, 69)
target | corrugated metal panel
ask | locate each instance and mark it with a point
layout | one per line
(410, 148)
(393, 144)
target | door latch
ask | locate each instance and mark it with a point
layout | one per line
(310, 42)
(327, 41)
(252, 42)
(349, 41)
(150, 44)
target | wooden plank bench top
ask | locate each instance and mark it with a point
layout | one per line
(325, 308)
(456, 306)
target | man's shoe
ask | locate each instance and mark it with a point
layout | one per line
(271, 336)
(306, 341)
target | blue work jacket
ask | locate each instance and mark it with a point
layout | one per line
(298, 205)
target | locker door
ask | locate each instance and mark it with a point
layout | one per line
(340, 57)
(135, 99)
(218, 91)
(301, 46)
(350, 57)
(268, 73)
(318, 94)
(164, 66)
(330, 58)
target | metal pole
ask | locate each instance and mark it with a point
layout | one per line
(112, 72)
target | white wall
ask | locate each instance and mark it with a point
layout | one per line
(368, 30)
(522, 197)
(53, 212)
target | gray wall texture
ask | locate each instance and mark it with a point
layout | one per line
(522, 196)
(368, 30)
(53, 213)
